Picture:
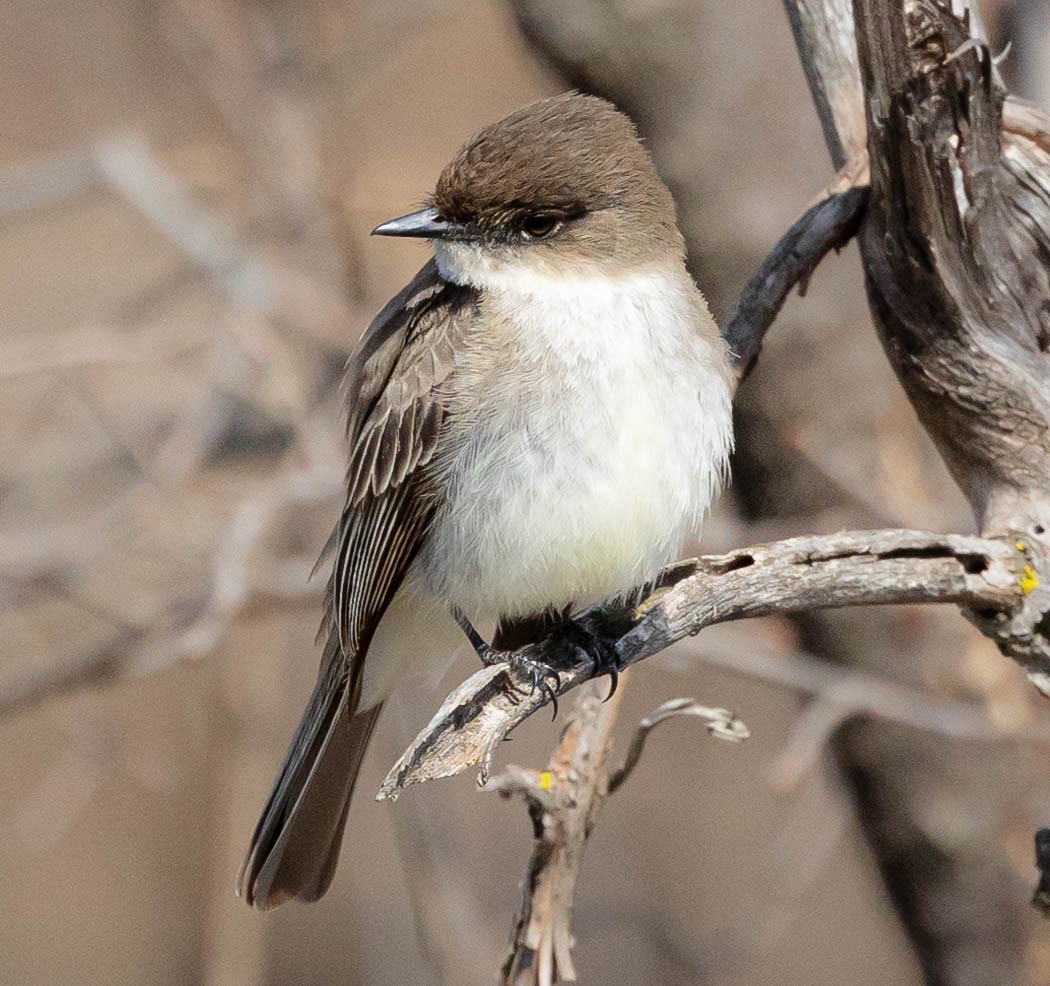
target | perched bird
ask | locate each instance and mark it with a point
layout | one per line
(536, 421)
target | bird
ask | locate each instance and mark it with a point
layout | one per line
(537, 421)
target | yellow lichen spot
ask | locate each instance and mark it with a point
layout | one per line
(1019, 545)
(1029, 580)
(546, 779)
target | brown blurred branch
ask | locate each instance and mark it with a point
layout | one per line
(242, 571)
(837, 695)
(860, 568)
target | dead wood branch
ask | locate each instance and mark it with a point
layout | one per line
(563, 801)
(823, 31)
(720, 723)
(954, 243)
(860, 568)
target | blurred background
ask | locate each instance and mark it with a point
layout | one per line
(186, 190)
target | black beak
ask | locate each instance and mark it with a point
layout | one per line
(427, 223)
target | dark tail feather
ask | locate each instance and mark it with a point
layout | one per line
(295, 846)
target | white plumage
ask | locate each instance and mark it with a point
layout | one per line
(577, 490)
(585, 486)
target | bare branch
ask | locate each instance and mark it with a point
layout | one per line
(721, 723)
(841, 694)
(823, 32)
(859, 568)
(827, 225)
(563, 803)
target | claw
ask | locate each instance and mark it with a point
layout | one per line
(540, 676)
(602, 663)
(539, 673)
(553, 691)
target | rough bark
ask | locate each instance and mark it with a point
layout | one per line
(954, 245)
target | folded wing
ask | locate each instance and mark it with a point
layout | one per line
(393, 381)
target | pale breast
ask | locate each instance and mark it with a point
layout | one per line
(589, 431)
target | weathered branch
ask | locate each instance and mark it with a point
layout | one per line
(956, 238)
(720, 722)
(563, 803)
(564, 800)
(956, 243)
(955, 249)
(823, 31)
(987, 575)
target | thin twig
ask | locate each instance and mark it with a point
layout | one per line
(721, 723)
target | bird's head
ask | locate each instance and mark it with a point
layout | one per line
(562, 187)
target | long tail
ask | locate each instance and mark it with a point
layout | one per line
(295, 846)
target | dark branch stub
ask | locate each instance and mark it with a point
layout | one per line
(828, 225)
(1041, 897)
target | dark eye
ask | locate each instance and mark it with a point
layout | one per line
(540, 225)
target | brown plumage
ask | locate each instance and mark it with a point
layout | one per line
(568, 157)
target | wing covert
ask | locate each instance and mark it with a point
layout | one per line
(394, 419)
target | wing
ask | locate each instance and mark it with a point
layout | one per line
(395, 415)
(394, 418)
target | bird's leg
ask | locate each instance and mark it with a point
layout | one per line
(540, 675)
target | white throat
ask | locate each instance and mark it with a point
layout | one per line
(530, 274)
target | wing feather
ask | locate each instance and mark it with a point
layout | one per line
(394, 384)
(406, 437)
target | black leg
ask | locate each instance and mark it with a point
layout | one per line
(540, 674)
(481, 648)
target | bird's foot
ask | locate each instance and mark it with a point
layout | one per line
(605, 659)
(541, 676)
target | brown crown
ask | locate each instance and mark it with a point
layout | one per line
(570, 154)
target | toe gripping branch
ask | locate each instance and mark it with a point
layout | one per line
(564, 638)
(602, 652)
